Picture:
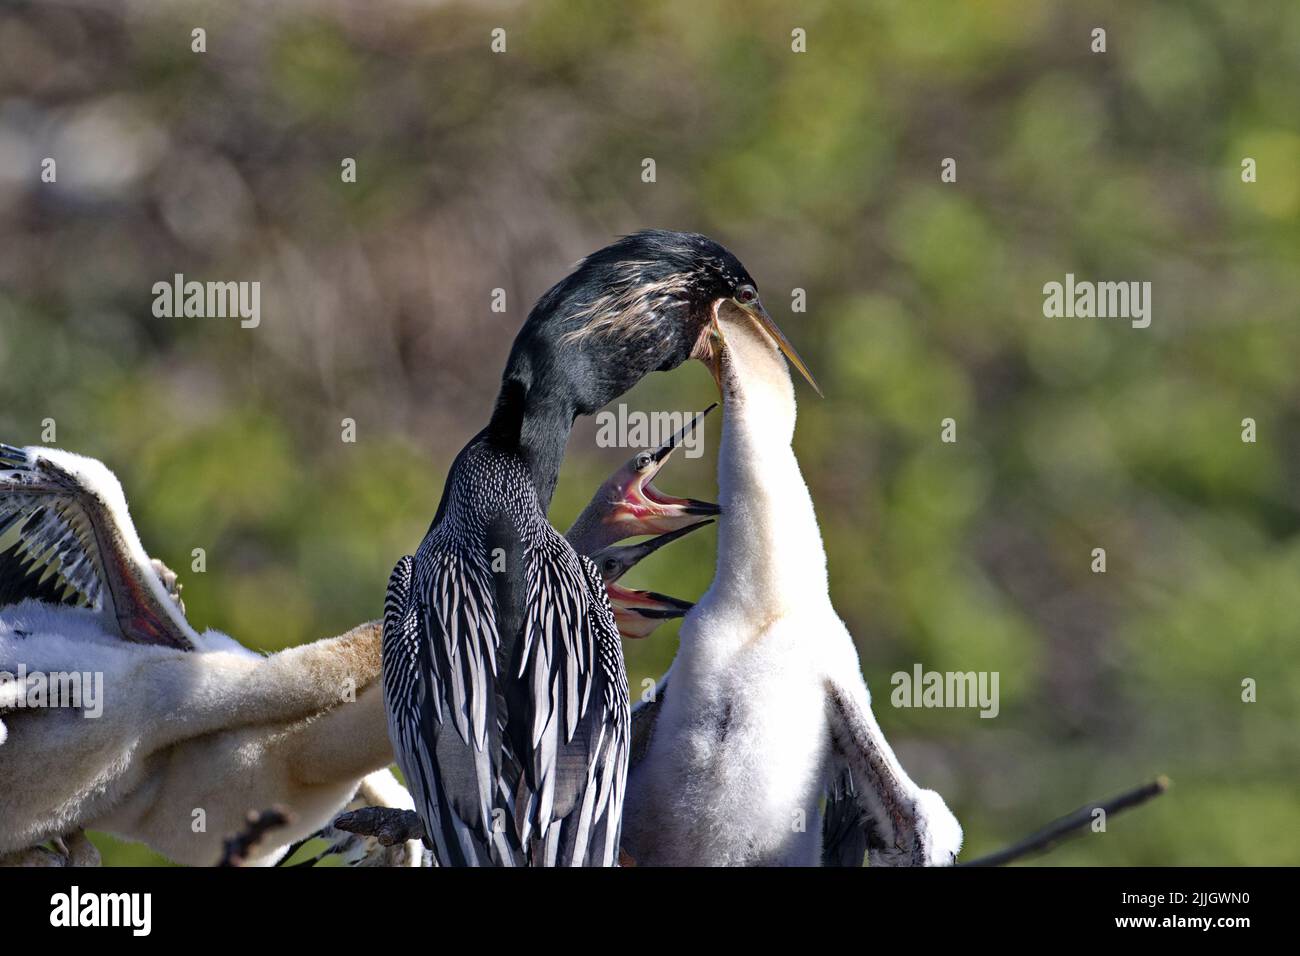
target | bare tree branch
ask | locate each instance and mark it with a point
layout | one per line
(391, 826)
(1067, 825)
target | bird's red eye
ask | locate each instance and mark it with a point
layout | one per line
(746, 295)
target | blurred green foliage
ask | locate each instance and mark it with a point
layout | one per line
(821, 170)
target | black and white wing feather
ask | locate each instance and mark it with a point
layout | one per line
(506, 692)
(66, 537)
(438, 686)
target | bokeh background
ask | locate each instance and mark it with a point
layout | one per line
(821, 171)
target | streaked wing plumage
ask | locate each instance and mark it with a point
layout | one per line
(869, 792)
(506, 693)
(66, 537)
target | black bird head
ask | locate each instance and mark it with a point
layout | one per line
(645, 303)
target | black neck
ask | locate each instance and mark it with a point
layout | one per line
(534, 422)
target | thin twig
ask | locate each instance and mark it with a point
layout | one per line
(1065, 826)
(236, 848)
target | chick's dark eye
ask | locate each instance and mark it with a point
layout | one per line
(643, 460)
(746, 295)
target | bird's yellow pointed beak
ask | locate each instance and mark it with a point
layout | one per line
(759, 314)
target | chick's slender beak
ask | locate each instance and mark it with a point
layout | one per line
(638, 613)
(758, 313)
(616, 560)
(644, 509)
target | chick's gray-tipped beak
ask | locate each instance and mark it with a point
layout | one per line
(616, 560)
(638, 613)
(647, 510)
(628, 504)
(661, 454)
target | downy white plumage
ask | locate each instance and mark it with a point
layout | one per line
(764, 711)
(195, 730)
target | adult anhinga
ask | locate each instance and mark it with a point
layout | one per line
(197, 720)
(506, 694)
